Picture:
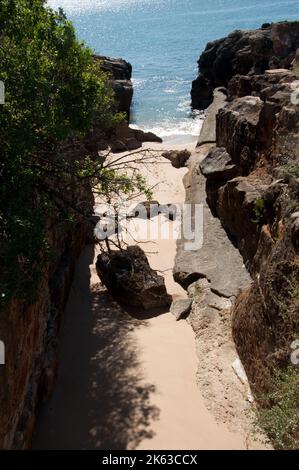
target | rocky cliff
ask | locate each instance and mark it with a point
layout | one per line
(120, 72)
(30, 330)
(252, 184)
(244, 53)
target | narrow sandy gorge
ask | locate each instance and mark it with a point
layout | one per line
(129, 382)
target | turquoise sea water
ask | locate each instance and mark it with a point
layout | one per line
(163, 40)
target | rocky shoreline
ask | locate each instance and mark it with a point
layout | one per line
(242, 281)
(251, 178)
(120, 72)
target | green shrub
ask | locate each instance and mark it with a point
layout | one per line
(290, 172)
(279, 411)
(259, 211)
(53, 93)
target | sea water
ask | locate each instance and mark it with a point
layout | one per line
(163, 40)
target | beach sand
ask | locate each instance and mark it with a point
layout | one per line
(129, 381)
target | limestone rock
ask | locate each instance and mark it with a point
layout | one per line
(244, 53)
(125, 138)
(178, 158)
(120, 73)
(237, 130)
(237, 212)
(208, 129)
(181, 308)
(218, 165)
(130, 279)
(149, 209)
(123, 90)
(146, 209)
(143, 136)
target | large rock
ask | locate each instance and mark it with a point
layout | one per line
(237, 128)
(30, 331)
(265, 317)
(218, 165)
(178, 158)
(120, 73)
(241, 211)
(243, 52)
(218, 168)
(208, 130)
(123, 90)
(181, 308)
(215, 258)
(146, 210)
(130, 279)
(125, 138)
(259, 130)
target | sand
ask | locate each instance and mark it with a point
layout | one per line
(129, 382)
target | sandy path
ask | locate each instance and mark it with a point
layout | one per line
(129, 382)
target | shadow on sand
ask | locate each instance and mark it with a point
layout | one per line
(101, 399)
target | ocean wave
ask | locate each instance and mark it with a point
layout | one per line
(185, 127)
(184, 105)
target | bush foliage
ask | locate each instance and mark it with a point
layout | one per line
(53, 92)
(280, 411)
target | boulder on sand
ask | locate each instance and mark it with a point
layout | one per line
(130, 279)
(150, 209)
(125, 138)
(178, 158)
(146, 210)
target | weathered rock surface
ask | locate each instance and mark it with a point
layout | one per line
(240, 214)
(146, 210)
(208, 131)
(130, 279)
(150, 209)
(181, 308)
(31, 336)
(259, 130)
(178, 158)
(244, 52)
(241, 116)
(218, 168)
(125, 138)
(218, 165)
(217, 260)
(120, 72)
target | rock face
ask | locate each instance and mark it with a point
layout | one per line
(215, 260)
(237, 210)
(31, 334)
(243, 116)
(218, 165)
(181, 308)
(178, 158)
(218, 168)
(252, 184)
(243, 52)
(129, 278)
(120, 72)
(125, 138)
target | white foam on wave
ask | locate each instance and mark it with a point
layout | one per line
(184, 105)
(170, 128)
